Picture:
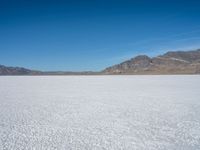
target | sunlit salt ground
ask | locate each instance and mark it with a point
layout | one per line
(100, 112)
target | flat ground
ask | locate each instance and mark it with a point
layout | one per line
(100, 112)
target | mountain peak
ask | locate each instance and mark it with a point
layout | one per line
(141, 57)
(177, 62)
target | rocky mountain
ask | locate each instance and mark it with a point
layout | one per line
(178, 62)
(4, 70)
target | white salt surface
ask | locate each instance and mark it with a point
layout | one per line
(100, 112)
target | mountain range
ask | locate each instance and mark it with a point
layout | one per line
(177, 62)
(173, 62)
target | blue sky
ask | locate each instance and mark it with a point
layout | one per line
(93, 34)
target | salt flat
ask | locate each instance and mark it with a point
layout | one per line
(100, 112)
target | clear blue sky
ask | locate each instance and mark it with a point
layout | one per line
(93, 34)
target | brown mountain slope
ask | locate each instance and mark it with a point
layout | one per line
(179, 62)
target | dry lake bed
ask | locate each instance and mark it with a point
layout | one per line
(100, 112)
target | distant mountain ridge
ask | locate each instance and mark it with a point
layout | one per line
(177, 62)
(4, 70)
(173, 62)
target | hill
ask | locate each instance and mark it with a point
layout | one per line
(178, 62)
(173, 62)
